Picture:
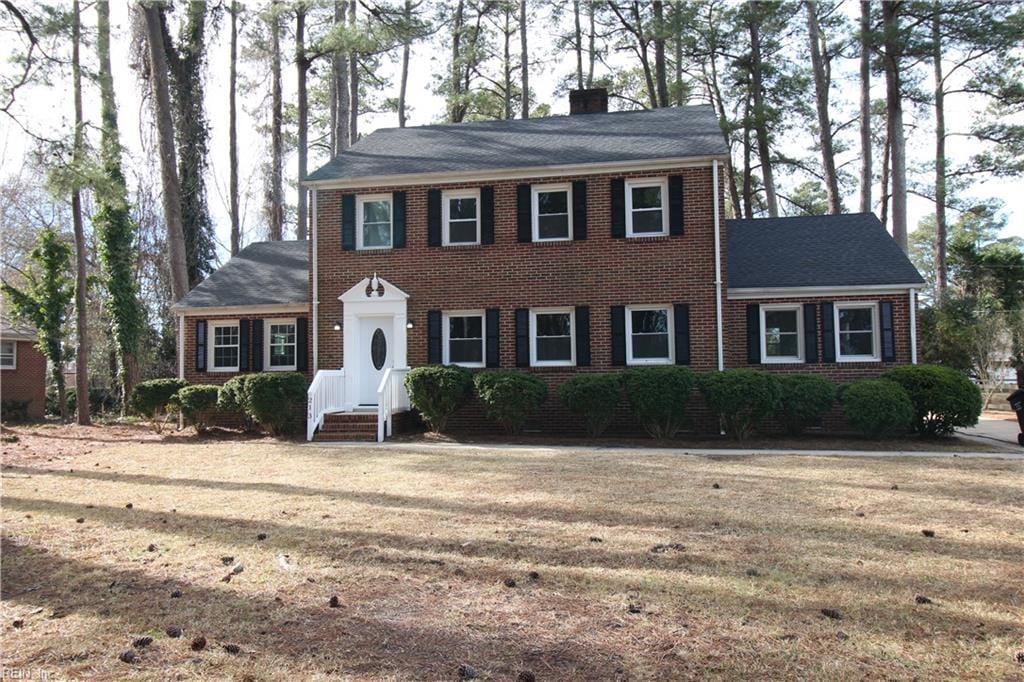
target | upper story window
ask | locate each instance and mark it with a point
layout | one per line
(649, 330)
(463, 342)
(224, 347)
(552, 337)
(461, 217)
(856, 327)
(782, 337)
(8, 354)
(373, 221)
(280, 345)
(552, 219)
(646, 207)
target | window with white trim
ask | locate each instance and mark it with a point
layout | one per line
(373, 221)
(782, 333)
(461, 217)
(856, 326)
(463, 341)
(646, 207)
(8, 354)
(649, 334)
(224, 352)
(279, 345)
(552, 337)
(552, 213)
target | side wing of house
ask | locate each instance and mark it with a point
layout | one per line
(22, 372)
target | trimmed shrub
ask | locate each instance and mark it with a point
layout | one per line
(510, 397)
(658, 397)
(742, 398)
(437, 391)
(878, 408)
(275, 399)
(593, 397)
(196, 402)
(803, 399)
(232, 398)
(152, 398)
(943, 398)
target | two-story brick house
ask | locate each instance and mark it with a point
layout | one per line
(587, 242)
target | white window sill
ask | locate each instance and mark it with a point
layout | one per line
(282, 368)
(649, 361)
(223, 369)
(553, 363)
(857, 358)
(782, 361)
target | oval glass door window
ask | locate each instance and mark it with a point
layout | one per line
(378, 349)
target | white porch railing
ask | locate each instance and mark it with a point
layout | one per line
(325, 394)
(391, 398)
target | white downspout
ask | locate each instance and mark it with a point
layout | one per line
(181, 362)
(316, 291)
(913, 326)
(718, 267)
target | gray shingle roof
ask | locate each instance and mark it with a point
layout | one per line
(815, 251)
(557, 140)
(264, 273)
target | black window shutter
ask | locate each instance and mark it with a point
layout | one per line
(582, 316)
(618, 208)
(579, 209)
(618, 335)
(524, 223)
(681, 320)
(348, 222)
(675, 204)
(493, 334)
(487, 215)
(434, 356)
(257, 345)
(828, 334)
(398, 219)
(200, 345)
(434, 217)
(522, 337)
(753, 333)
(243, 345)
(810, 332)
(301, 344)
(888, 335)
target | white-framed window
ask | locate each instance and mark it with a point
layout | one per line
(223, 341)
(553, 337)
(8, 354)
(373, 221)
(649, 335)
(460, 217)
(856, 326)
(464, 339)
(782, 333)
(647, 207)
(279, 347)
(552, 212)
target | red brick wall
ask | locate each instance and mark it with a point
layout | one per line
(27, 381)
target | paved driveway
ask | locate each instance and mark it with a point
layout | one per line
(995, 428)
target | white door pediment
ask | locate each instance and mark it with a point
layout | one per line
(376, 289)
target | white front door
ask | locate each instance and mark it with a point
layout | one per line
(377, 350)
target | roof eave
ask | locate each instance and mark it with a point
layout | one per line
(740, 293)
(255, 309)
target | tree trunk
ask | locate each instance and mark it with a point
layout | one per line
(940, 157)
(645, 61)
(340, 105)
(678, 48)
(302, 67)
(507, 65)
(455, 106)
(275, 193)
(165, 141)
(865, 106)
(236, 234)
(525, 58)
(894, 112)
(719, 103)
(760, 125)
(578, 44)
(660, 69)
(406, 48)
(353, 83)
(591, 47)
(821, 88)
(748, 185)
(81, 283)
(885, 178)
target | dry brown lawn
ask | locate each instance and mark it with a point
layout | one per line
(625, 565)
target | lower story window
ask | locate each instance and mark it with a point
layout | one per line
(855, 331)
(281, 345)
(553, 341)
(464, 339)
(781, 337)
(8, 354)
(649, 331)
(224, 347)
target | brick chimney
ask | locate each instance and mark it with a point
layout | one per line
(592, 101)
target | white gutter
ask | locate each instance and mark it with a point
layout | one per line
(737, 293)
(913, 326)
(316, 289)
(718, 267)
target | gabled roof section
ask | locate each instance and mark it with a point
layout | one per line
(581, 139)
(11, 330)
(815, 251)
(263, 273)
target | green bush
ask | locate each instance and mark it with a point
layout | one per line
(593, 397)
(152, 398)
(101, 400)
(658, 397)
(196, 402)
(510, 397)
(437, 391)
(803, 399)
(275, 399)
(943, 398)
(232, 398)
(878, 408)
(742, 398)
